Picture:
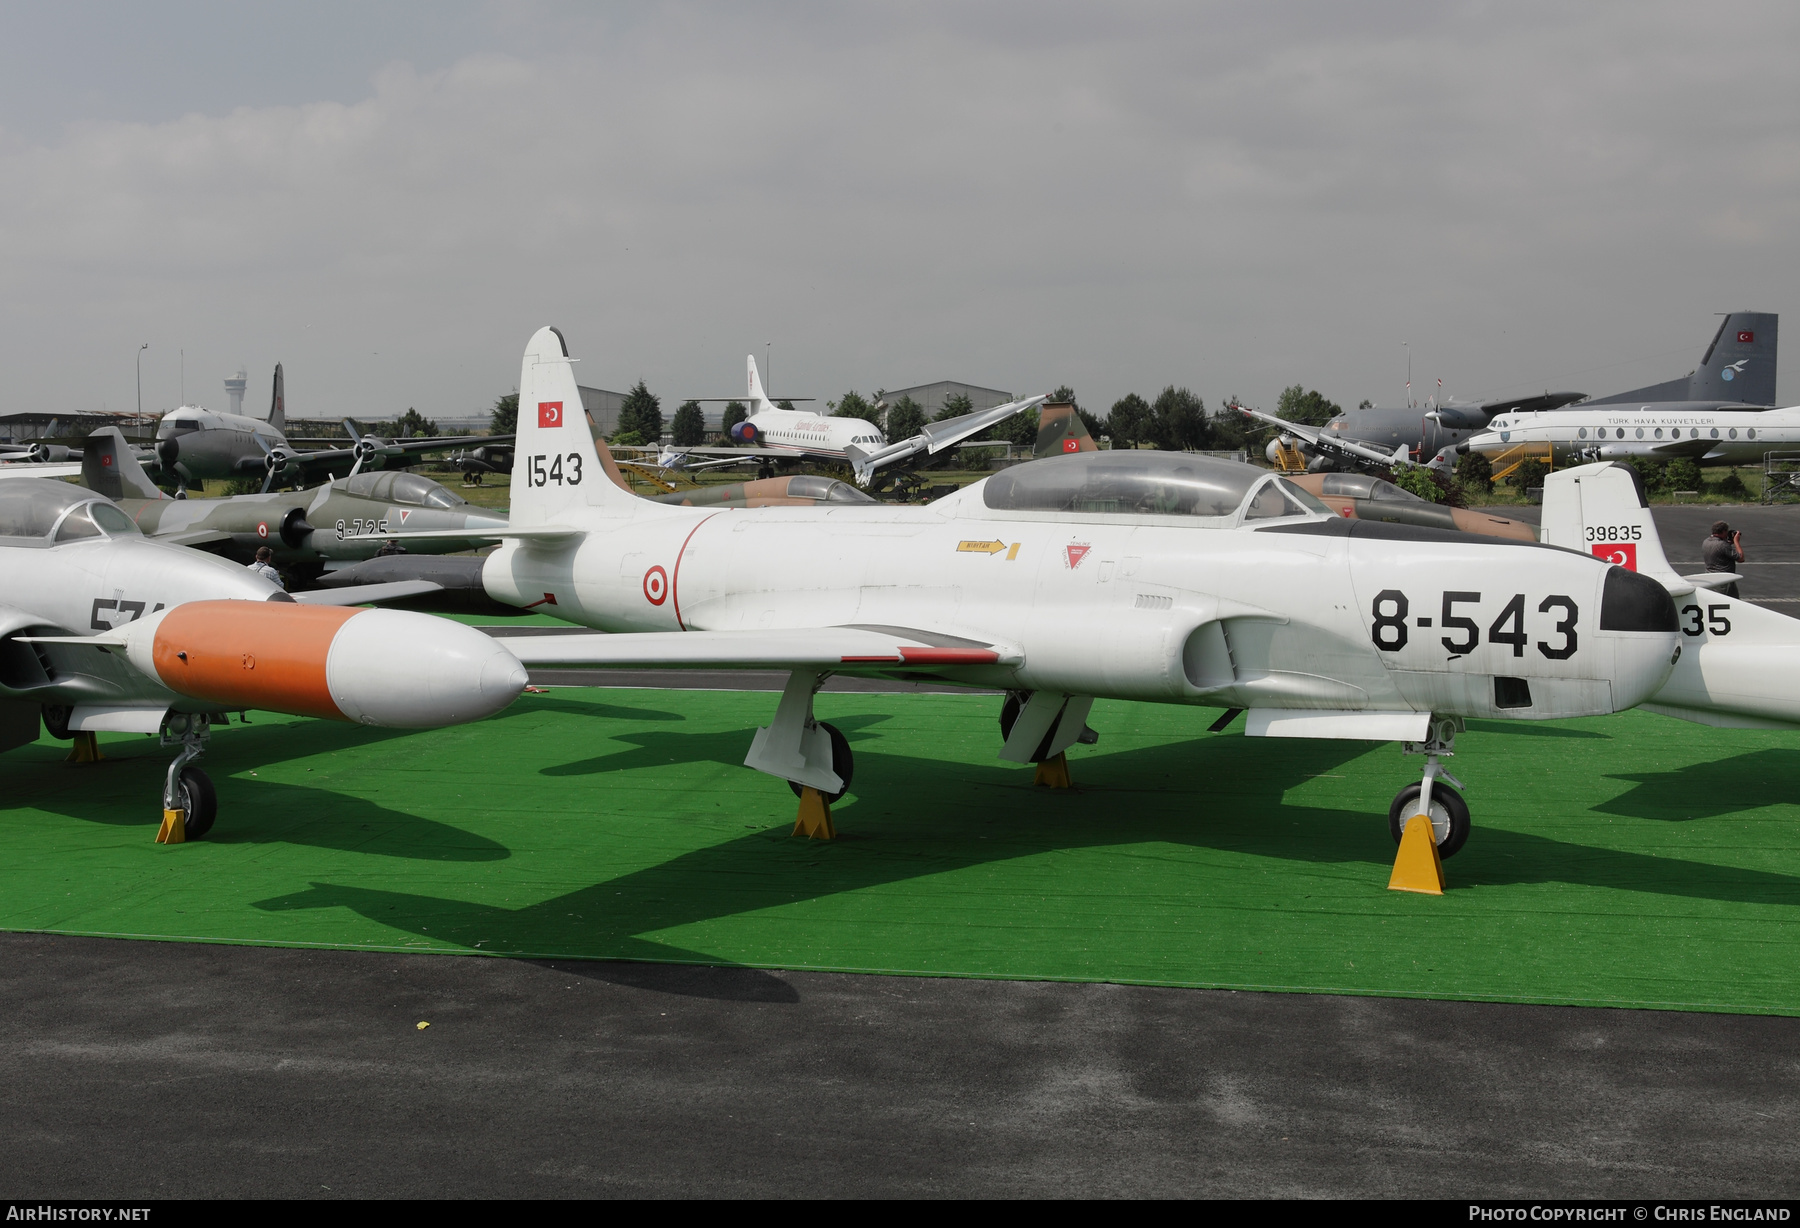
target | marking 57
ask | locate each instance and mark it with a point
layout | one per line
(545, 468)
(1390, 629)
(132, 610)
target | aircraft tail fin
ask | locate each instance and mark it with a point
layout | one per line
(1739, 365)
(1060, 430)
(1600, 509)
(109, 467)
(278, 403)
(759, 400)
(557, 462)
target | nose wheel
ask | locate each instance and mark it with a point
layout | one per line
(842, 762)
(1433, 796)
(187, 791)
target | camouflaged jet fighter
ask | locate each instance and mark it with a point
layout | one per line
(308, 530)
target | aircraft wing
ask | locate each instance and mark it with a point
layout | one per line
(936, 437)
(839, 649)
(40, 469)
(1362, 453)
(368, 594)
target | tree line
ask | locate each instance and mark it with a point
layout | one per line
(1176, 420)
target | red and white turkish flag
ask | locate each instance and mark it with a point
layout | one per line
(1071, 445)
(550, 413)
(1746, 337)
(1623, 554)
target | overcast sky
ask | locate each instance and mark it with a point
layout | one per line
(390, 198)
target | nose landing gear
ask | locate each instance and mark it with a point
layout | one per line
(1443, 805)
(190, 803)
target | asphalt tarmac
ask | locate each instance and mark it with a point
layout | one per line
(150, 1069)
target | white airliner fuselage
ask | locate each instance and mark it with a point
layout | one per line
(1613, 432)
(799, 431)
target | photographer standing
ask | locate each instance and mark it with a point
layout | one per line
(1723, 551)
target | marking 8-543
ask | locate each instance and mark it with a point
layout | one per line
(1390, 629)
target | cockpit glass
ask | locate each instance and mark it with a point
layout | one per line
(30, 507)
(115, 522)
(827, 490)
(1276, 499)
(170, 427)
(77, 525)
(1124, 483)
(401, 487)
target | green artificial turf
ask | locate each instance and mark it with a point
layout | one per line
(1633, 860)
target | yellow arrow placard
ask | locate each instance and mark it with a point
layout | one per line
(980, 547)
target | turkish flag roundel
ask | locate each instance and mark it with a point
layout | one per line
(1623, 554)
(550, 413)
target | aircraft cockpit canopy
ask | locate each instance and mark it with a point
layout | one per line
(400, 487)
(826, 490)
(38, 511)
(1144, 483)
(1364, 486)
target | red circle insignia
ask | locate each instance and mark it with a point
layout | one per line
(262, 530)
(656, 586)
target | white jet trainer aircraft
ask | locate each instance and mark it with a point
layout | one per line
(1159, 577)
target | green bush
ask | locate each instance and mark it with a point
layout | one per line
(1529, 475)
(1476, 473)
(1423, 483)
(626, 439)
(1732, 485)
(1654, 472)
(1682, 474)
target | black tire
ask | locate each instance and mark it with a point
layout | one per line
(1009, 712)
(842, 762)
(56, 721)
(202, 802)
(1446, 805)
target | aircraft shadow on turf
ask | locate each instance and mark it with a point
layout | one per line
(1525, 729)
(1707, 790)
(274, 812)
(1247, 815)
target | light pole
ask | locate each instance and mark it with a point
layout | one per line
(140, 373)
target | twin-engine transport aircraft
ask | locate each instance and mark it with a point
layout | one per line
(103, 629)
(772, 433)
(1613, 432)
(1736, 373)
(1159, 577)
(194, 443)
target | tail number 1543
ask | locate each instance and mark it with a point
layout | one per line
(543, 469)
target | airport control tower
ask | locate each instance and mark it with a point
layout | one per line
(234, 388)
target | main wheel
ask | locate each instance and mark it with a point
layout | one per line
(199, 800)
(1449, 816)
(1009, 711)
(56, 721)
(842, 762)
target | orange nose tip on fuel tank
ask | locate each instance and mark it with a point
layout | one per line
(241, 654)
(374, 667)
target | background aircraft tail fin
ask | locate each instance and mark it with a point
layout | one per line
(759, 400)
(109, 467)
(557, 464)
(278, 403)
(1060, 430)
(1739, 365)
(1600, 510)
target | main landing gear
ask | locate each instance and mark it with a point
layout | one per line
(1443, 805)
(812, 756)
(190, 804)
